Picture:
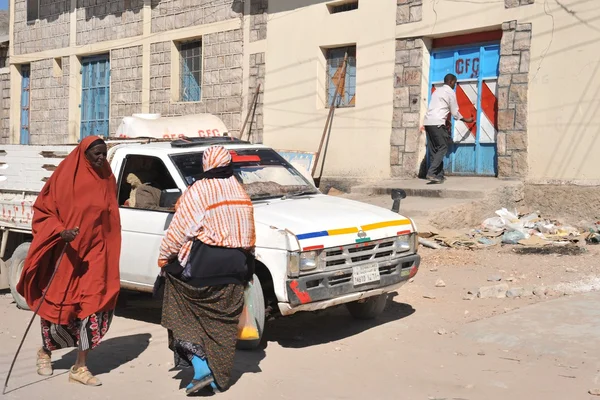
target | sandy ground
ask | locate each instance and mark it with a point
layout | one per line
(439, 347)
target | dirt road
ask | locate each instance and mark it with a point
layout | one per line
(435, 347)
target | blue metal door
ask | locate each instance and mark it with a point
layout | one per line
(95, 103)
(473, 149)
(25, 80)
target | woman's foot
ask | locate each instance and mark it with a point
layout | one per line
(44, 362)
(202, 376)
(84, 376)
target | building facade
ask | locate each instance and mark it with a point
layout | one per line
(528, 70)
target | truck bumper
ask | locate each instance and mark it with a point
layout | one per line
(327, 289)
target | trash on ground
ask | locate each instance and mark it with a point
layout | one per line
(511, 228)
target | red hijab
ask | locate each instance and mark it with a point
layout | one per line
(87, 280)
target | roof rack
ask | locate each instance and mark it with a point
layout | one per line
(206, 141)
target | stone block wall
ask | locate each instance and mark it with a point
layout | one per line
(49, 102)
(51, 31)
(126, 84)
(409, 11)
(517, 3)
(175, 14)
(407, 106)
(221, 80)
(100, 20)
(5, 108)
(258, 19)
(257, 77)
(513, 85)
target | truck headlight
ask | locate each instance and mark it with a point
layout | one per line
(403, 243)
(310, 260)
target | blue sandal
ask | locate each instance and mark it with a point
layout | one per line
(202, 376)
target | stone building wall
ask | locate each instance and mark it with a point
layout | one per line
(513, 85)
(258, 19)
(5, 108)
(221, 79)
(100, 20)
(407, 106)
(51, 31)
(49, 102)
(175, 14)
(409, 11)
(257, 77)
(126, 84)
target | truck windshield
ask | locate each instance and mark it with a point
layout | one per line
(263, 173)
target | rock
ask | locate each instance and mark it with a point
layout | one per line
(440, 283)
(494, 278)
(495, 291)
(514, 292)
(481, 353)
(434, 269)
(569, 292)
(338, 349)
(335, 192)
(429, 296)
(594, 392)
(411, 280)
(510, 279)
(527, 292)
(540, 290)
(571, 270)
(469, 297)
(442, 331)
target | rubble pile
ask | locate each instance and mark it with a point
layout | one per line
(512, 228)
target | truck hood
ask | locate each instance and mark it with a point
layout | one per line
(328, 221)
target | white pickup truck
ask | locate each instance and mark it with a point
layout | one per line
(313, 251)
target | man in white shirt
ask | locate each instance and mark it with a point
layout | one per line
(443, 102)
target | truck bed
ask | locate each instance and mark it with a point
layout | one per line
(23, 172)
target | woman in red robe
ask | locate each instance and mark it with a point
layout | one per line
(77, 208)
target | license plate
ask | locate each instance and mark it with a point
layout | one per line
(365, 274)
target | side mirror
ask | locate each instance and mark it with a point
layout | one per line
(397, 196)
(169, 197)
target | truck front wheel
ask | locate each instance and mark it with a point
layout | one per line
(15, 267)
(368, 309)
(258, 307)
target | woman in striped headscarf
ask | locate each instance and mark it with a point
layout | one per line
(207, 260)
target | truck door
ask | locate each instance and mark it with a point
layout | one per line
(143, 223)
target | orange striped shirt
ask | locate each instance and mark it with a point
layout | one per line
(217, 212)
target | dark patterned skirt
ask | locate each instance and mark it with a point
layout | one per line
(84, 334)
(203, 322)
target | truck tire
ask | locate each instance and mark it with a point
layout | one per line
(15, 267)
(369, 309)
(258, 306)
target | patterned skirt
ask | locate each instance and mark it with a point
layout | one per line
(203, 322)
(84, 334)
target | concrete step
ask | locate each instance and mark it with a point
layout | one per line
(453, 188)
(412, 206)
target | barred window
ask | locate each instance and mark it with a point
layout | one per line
(335, 63)
(191, 71)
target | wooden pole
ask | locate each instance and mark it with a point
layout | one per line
(330, 115)
(249, 111)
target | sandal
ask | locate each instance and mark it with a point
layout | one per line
(198, 384)
(44, 363)
(84, 376)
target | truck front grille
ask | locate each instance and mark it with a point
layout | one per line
(347, 256)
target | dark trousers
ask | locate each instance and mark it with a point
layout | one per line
(437, 144)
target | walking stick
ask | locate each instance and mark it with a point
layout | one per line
(62, 253)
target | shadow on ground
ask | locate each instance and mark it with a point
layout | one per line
(111, 354)
(330, 325)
